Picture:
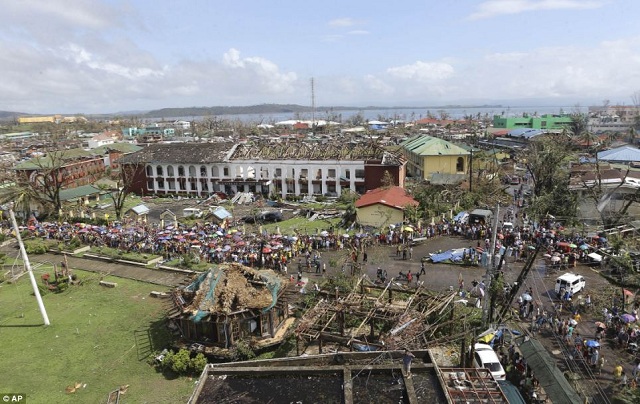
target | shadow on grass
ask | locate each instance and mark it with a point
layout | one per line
(153, 338)
(21, 325)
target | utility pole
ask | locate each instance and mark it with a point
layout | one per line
(313, 105)
(27, 264)
(491, 264)
(471, 170)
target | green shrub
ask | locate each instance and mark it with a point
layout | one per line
(243, 351)
(74, 243)
(35, 247)
(182, 363)
(198, 363)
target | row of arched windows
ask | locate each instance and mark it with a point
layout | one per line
(171, 172)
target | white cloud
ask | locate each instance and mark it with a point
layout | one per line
(422, 71)
(84, 58)
(267, 72)
(492, 8)
(377, 85)
(342, 22)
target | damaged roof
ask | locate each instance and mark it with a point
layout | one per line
(180, 153)
(232, 288)
(307, 151)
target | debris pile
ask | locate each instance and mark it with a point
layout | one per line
(231, 288)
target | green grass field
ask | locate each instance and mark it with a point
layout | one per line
(302, 225)
(98, 337)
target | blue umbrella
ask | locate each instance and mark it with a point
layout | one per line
(591, 343)
(584, 247)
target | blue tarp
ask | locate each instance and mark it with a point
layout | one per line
(449, 255)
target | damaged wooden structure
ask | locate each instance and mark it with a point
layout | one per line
(377, 317)
(230, 303)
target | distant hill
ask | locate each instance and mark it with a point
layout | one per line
(4, 115)
(275, 109)
(251, 109)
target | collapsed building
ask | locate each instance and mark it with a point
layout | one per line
(374, 317)
(231, 303)
(291, 168)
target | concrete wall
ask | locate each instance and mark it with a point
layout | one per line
(379, 215)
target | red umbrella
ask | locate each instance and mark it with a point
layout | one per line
(266, 250)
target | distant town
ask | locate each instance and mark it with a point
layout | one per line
(481, 255)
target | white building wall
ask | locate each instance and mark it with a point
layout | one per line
(259, 173)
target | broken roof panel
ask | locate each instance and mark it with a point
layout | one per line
(308, 151)
(180, 153)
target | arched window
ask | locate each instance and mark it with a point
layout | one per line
(149, 171)
(460, 165)
(181, 171)
(192, 171)
(203, 171)
(159, 171)
(170, 171)
(215, 172)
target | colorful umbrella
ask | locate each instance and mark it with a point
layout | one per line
(628, 318)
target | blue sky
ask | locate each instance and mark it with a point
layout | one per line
(77, 56)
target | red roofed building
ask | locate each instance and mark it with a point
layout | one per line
(383, 206)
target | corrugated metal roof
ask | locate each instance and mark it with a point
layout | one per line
(395, 197)
(527, 133)
(624, 153)
(425, 145)
(550, 377)
(74, 193)
(140, 210)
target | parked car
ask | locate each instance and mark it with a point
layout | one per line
(485, 357)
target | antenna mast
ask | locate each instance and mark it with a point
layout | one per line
(313, 105)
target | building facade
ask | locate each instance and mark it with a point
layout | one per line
(547, 121)
(428, 155)
(281, 169)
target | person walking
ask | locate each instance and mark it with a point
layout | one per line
(601, 363)
(407, 358)
(422, 269)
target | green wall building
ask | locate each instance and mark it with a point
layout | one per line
(547, 121)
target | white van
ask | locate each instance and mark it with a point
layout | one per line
(572, 283)
(195, 212)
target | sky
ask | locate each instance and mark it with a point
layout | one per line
(107, 56)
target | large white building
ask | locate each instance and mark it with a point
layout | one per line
(283, 169)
